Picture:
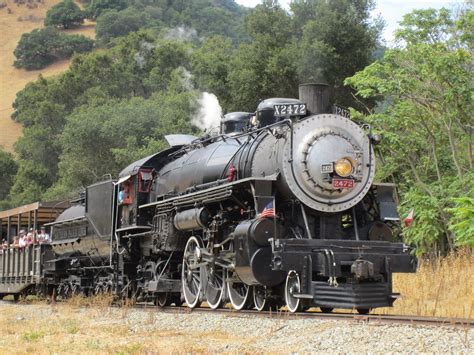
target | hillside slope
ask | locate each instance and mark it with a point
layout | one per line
(14, 21)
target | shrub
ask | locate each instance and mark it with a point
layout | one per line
(66, 14)
(41, 47)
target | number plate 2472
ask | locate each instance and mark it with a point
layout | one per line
(290, 109)
(342, 183)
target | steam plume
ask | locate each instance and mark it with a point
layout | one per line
(182, 33)
(209, 113)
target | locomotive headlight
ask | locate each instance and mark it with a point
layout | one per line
(343, 167)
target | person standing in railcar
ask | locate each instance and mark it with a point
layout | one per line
(43, 237)
(22, 241)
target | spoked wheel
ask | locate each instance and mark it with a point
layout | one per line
(161, 272)
(292, 286)
(99, 290)
(75, 290)
(239, 293)
(64, 291)
(260, 298)
(162, 299)
(191, 273)
(108, 288)
(216, 285)
(326, 309)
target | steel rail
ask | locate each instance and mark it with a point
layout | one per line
(278, 314)
(366, 318)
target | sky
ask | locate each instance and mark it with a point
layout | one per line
(392, 11)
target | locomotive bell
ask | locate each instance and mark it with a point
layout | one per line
(235, 122)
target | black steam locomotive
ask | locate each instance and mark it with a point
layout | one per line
(280, 209)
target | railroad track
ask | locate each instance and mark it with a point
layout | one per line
(369, 318)
(358, 318)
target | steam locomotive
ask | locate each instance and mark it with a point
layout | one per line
(280, 209)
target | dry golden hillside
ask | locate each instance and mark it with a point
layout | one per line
(14, 21)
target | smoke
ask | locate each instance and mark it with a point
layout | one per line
(209, 113)
(182, 33)
(186, 78)
(140, 56)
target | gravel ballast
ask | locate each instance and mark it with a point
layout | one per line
(155, 330)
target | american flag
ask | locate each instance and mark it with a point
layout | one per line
(268, 211)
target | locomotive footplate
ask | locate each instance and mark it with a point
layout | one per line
(343, 273)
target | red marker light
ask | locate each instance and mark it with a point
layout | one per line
(231, 173)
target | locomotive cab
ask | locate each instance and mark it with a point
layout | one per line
(134, 191)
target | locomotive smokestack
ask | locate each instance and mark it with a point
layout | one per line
(316, 96)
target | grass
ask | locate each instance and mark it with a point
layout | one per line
(99, 301)
(71, 327)
(441, 288)
(32, 336)
(78, 327)
(13, 80)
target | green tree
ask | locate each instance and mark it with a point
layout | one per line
(322, 41)
(211, 65)
(104, 139)
(43, 107)
(113, 23)
(427, 125)
(41, 47)
(33, 49)
(167, 56)
(462, 220)
(207, 17)
(30, 182)
(338, 38)
(95, 8)
(254, 75)
(8, 169)
(66, 14)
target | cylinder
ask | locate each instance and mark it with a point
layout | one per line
(316, 96)
(193, 219)
(253, 253)
(261, 230)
